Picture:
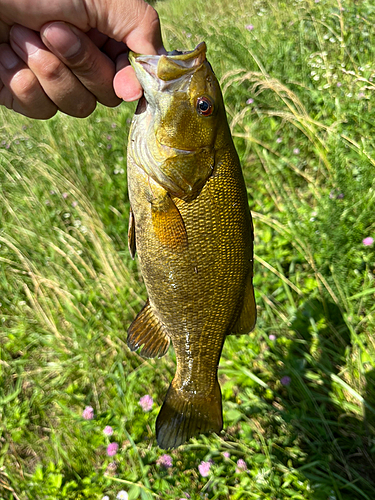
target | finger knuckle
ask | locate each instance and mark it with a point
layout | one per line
(24, 85)
(51, 69)
(85, 108)
(152, 15)
(87, 66)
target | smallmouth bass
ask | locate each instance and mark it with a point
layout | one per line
(191, 227)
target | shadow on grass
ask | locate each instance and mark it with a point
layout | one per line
(326, 416)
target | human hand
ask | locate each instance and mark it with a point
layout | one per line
(67, 55)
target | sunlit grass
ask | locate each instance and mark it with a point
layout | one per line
(298, 393)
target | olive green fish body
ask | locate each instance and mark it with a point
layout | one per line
(193, 235)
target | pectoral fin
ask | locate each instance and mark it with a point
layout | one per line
(148, 331)
(248, 316)
(167, 221)
(131, 234)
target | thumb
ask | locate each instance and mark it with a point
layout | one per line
(133, 22)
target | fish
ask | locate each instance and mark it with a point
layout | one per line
(192, 230)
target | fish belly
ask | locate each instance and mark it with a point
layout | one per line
(196, 287)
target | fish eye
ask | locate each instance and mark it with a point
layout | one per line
(204, 106)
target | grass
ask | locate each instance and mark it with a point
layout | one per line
(299, 392)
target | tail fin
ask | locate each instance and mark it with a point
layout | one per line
(186, 414)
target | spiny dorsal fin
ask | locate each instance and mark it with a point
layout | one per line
(148, 331)
(248, 316)
(131, 234)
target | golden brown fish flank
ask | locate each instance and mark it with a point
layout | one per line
(192, 230)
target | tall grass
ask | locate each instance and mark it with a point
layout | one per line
(299, 404)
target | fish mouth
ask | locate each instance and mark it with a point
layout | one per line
(168, 67)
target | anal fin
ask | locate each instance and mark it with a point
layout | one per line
(147, 331)
(131, 234)
(248, 316)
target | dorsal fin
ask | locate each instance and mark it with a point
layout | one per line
(248, 316)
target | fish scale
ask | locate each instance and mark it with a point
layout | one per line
(192, 230)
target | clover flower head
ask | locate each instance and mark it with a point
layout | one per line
(285, 380)
(165, 461)
(204, 468)
(368, 241)
(88, 413)
(108, 431)
(146, 402)
(112, 449)
(241, 466)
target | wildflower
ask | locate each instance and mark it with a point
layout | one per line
(340, 196)
(109, 137)
(65, 195)
(108, 431)
(122, 495)
(250, 101)
(52, 191)
(165, 461)
(241, 466)
(296, 151)
(106, 497)
(113, 125)
(278, 140)
(88, 413)
(226, 454)
(368, 241)
(338, 84)
(361, 95)
(272, 336)
(112, 449)
(146, 402)
(74, 204)
(111, 468)
(286, 380)
(204, 468)
(249, 27)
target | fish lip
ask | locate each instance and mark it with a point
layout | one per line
(170, 66)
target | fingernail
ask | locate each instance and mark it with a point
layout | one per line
(25, 39)
(8, 58)
(60, 37)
